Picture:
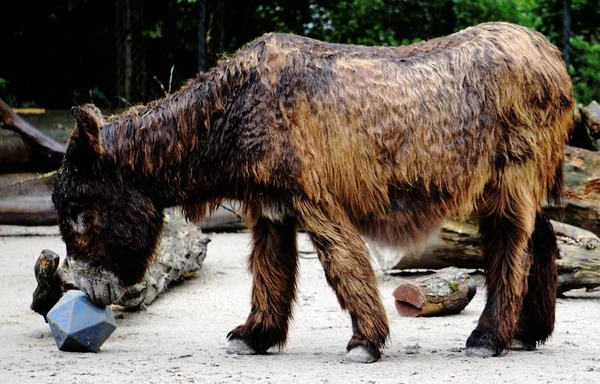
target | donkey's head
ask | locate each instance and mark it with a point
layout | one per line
(110, 226)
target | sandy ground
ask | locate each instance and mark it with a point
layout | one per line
(181, 337)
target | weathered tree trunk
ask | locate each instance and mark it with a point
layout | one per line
(582, 135)
(446, 292)
(32, 150)
(566, 35)
(131, 58)
(582, 179)
(179, 256)
(25, 199)
(215, 34)
(202, 35)
(459, 246)
(27, 211)
(15, 154)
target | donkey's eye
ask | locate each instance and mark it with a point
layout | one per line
(76, 215)
(75, 210)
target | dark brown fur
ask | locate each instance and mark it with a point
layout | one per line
(343, 141)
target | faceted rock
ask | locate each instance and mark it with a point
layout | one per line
(78, 325)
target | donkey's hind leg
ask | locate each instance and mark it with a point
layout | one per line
(274, 265)
(537, 317)
(505, 235)
(348, 271)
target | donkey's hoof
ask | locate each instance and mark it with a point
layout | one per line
(239, 347)
(360, 354)
(482, 344)
(480, 352)
(519, 345)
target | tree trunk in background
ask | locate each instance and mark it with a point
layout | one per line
(567, 32)
(131, 59)
(202, 35)
(215, 35)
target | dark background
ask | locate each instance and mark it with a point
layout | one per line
(57, 53)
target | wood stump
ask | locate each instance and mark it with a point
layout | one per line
(446, 292)
(458, 245)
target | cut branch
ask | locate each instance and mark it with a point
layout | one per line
(446, 292)
(459, 246)
(50, 151)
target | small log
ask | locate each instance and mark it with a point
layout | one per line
(179, 256)
(26, 184)
(15, 154)
(582, 136)
(582, 179)
(27, 211)
(50, 151)
(590, 116)
(51, 283)
(25, 199)
(459, 246)
(446, 292)
(224, 219)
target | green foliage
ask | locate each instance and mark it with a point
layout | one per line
(585, 70)
(353, 22)
(155, 32)
(394, 22)
(81, 35)
(11, 99)
(471, 12)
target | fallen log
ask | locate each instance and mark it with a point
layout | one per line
(27, 211)
(46, 151)
(582, 178)
(226, 218)
(179, 256)
(15, 154)
(446, 292)
(459, 246)
(582, 135)
(25, 199)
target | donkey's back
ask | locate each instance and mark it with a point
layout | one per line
(406, 136)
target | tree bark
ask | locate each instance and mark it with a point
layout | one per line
(15, 154)
(566, 35)
(201, 35)
(215, 34)
(45, 151)
(459, 246)
(446, 292)
(25, 199)
(131, 58)
(27, 211)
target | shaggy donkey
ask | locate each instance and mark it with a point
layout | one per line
(343, 141)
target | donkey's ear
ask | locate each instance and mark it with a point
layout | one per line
(87, 133)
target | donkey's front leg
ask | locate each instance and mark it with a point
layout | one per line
(348, 271)
(274, 265)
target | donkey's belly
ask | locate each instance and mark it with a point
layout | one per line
(406, 230)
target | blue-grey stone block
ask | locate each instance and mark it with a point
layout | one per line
(78, 325)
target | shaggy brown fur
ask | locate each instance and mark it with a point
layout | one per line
(344, 141)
